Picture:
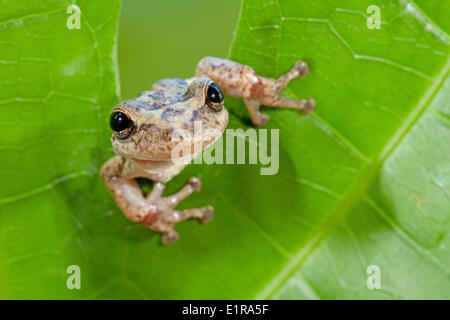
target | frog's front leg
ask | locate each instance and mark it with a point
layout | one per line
(154, 211)
(239, 80)
(169, 216)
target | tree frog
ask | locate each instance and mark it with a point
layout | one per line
(143, 135)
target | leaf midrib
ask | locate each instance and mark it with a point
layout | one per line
(358, 189)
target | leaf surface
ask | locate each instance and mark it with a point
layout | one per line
(363, 181)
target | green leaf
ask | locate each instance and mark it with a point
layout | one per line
(57, 89)
(362, 181)
(375, 150)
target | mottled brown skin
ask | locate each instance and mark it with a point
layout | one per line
(238, 80)
(171, 105)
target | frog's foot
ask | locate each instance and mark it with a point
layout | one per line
(305, 106)
(170, 236)
(300, 70)
(169, 218)
(163, 217)
(259, 119)
(267, 92)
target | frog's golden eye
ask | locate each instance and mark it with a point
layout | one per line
(214, 96)
(121, 124)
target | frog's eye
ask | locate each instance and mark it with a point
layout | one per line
(214, 96)
(121, 124)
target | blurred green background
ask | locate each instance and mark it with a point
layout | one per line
(162, 39)
(363, 180)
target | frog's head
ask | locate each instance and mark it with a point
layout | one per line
(172, 120)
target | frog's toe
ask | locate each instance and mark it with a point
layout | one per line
(260, 120)
(207, 214)
(302, 68)
(195, 183)
(307, 106)
(170, 237)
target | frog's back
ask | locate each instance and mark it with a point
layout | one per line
(164, 93)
